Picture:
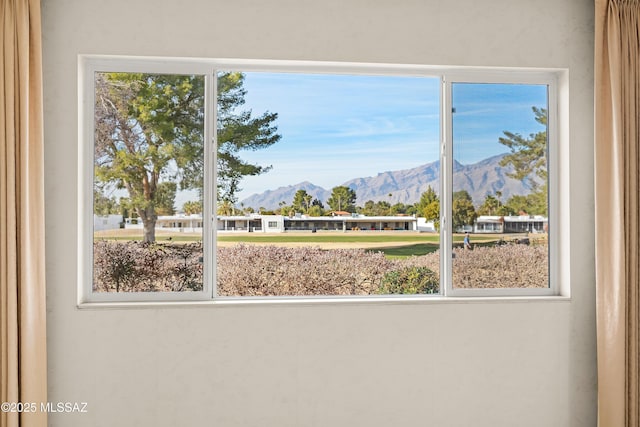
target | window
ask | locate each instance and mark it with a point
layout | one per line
(223, 179)
(502, 131)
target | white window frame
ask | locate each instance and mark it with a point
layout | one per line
(555, 79)
(528, 77)
(87, 67)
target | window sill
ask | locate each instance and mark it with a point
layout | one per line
(309, 301)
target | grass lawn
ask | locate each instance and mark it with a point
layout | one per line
(392, 244)
(288, 237)
(340, 237)
(407, 250)
(160, 239)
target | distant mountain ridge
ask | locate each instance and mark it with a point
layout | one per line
(270, 199)
(406, 186)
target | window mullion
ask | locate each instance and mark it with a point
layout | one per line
(446, 179)
(210, 179)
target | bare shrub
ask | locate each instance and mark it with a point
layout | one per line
(182, 268)
(430, 261)
(114, 266)
(508, 266)
(146, 267)
(252, 270)
(246, 270)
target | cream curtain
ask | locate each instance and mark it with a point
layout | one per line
(22, 285)
(617, 188)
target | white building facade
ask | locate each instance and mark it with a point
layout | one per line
(511, 224)
(107, 222)
(280, 223)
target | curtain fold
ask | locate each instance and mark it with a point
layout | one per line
(617, 188)
(22, 276)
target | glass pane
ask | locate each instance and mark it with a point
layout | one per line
(500, 185)
(148, 178)
(323, 184)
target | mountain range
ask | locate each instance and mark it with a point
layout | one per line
(406, 186)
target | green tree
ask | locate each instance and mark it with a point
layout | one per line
(426, 198)
(518, 204)
(145, 125)
(315, 210)
(239, 131)
(412, 210)
(398, 208)
(538, 202)
(382, 208)
(493, 206)
(462, 195)
(342, 199)
(103, 205)
(226, 208)
(368, 209)
(431, 212)
(307, 201)
(529, 158)
(125, 208)
(490, 206)
(282, 209)
(301, 201)
(149, 130)
(532, 204)
(165, 198)
(317, 202)
(463, 211)
(192, 207)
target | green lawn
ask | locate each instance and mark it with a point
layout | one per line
(330, 238)
(159, 239)
(392, 244)
(407, 251)
(311, 238)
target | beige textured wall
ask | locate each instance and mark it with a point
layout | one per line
(425, 364)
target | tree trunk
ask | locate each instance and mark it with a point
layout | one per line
(149, 218)
(149, 230)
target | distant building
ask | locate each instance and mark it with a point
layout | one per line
(280, 223)
(351, 222)
(248, 223)
(107, 222)
(423, 225)
(179, 223)
(340, 222)
(511, 224)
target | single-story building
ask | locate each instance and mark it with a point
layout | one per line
(354, 222)
(423, 225)
(180, 223)
(107, 222)
(298, 222)
(280, 223)
(511, 224)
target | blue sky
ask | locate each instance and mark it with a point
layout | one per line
(484, 111)
(338, 127)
